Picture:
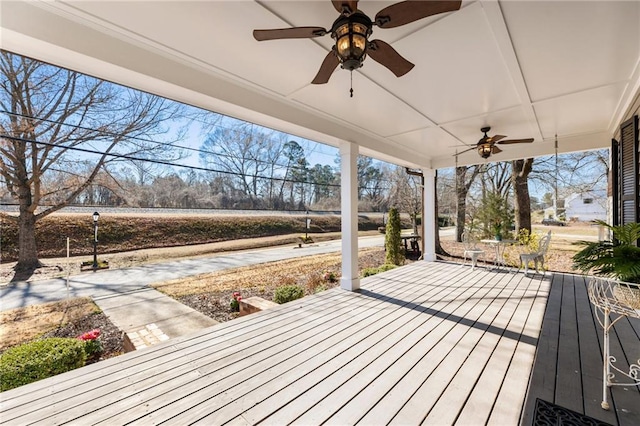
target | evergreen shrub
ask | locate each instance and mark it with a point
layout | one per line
(40, 359)
(287, 293)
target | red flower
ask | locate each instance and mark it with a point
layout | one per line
(90, 335)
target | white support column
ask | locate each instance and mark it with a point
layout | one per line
(349, 201)
(429, 218)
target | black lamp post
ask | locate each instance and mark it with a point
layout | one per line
(96, 216)
(306, 230)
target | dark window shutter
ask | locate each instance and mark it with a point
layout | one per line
(614, 181)
(629, 172)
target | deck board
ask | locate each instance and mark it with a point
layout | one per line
(573, 337)
(430, 342)
(569, 395)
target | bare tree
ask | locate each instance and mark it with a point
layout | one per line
(520, 170)
(406, 194)
(54, 118)
(464, 179)
(239, 150)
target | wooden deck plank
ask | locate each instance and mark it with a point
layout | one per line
(107, 367)
(590, 355)
(508, 326)
(588, 338)
(125, 378)
(151, 355)
(169, 349)
(210, 383)
(357, 376)
(569, 395)
(513, 388)
(451, 348)
(368, 392)
(433, 342)
(625, 399)
(543, 375)
(483, 395)
(415, 410)
(327, 356)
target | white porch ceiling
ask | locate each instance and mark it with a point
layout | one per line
(526, 68)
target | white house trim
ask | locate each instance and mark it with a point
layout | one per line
(349, 200)
(429, 218)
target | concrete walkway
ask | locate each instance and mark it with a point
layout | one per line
(125, 297)
(148, 316)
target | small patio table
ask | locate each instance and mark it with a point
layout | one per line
(499, 246)
(413, 240)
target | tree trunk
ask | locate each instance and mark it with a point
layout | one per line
(439, 249)
(461, 202)
(27, 249)
(521, 170)
(462, 189)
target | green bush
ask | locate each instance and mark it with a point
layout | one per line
(393, 239)
(38, 360)
(367, 272)
(386, 267)
(288, 293)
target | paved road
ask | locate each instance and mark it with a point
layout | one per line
(108, 283)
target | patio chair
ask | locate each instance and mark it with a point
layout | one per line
(614, 300)
(536, 256)
(470, 250)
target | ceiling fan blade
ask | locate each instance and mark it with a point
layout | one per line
(329, 64)
(295, 32)
(466, 150)
(510, 141)
(496, 138)
(408, 11)
(386, 55)
(495, 150)
(348, 5)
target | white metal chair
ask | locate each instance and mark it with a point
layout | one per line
(536, 256)
(470, 250)
(620, 299)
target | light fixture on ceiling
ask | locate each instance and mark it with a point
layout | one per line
(485, 149)
(351, 34)
(486, 146)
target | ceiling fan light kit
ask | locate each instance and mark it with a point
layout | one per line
(486, 146)
(484, 150)
(351, 32)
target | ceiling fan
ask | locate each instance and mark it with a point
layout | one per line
(487, 144)
(351, 33)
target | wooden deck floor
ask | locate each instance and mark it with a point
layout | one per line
(430, 343)
(568, 365)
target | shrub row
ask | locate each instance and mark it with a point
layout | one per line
(40, 359)
(287, 293)
(367, 272)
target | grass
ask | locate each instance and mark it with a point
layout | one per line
(118, 233)
(24, 324)
(250, 276)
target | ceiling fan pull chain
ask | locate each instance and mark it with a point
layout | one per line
(351, 89)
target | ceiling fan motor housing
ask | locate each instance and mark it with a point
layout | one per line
(351, 34)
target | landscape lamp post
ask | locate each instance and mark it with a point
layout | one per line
(96, 216)
(306, 230)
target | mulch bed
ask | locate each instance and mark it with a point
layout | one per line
(110, 336)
